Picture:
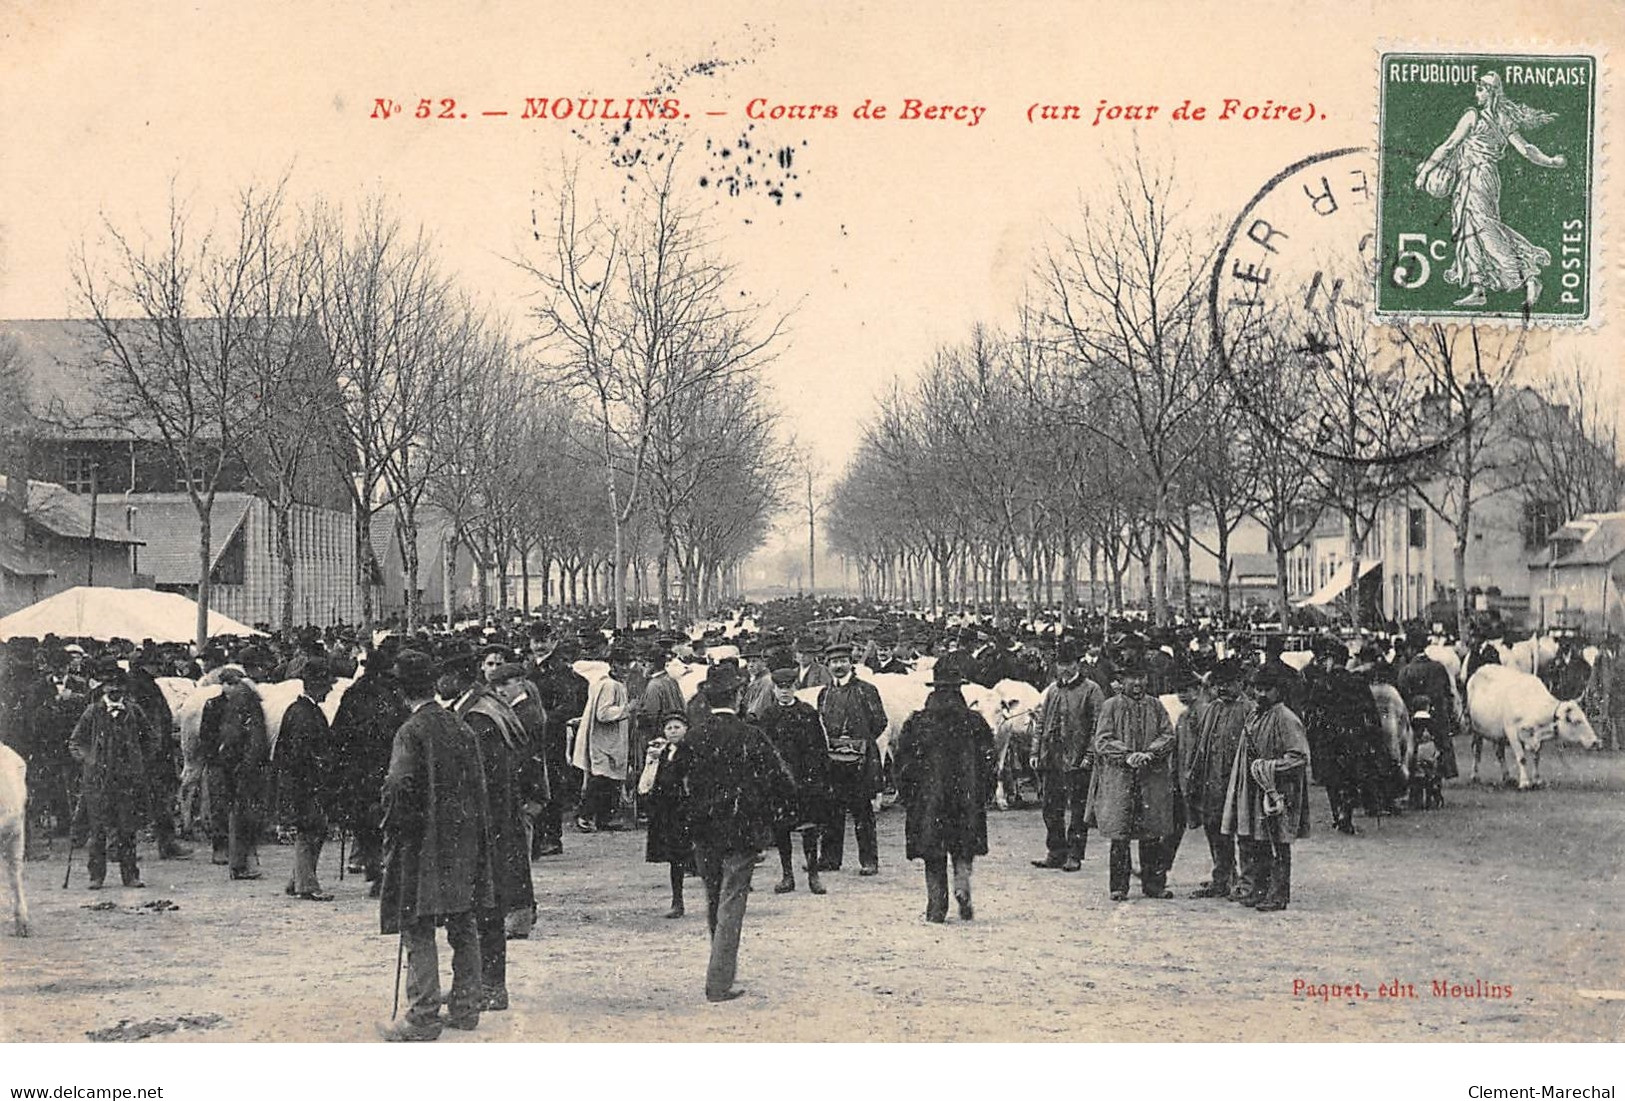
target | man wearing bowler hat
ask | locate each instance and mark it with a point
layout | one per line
(735, 782)
(437, 858)
(854, 718)
(109, 742)
(1267, 805)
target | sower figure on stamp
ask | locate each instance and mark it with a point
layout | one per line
(735, 782)
(109, 742)
(1063, 740)
(437, 859)
(1131, 798)
(944, 777)
(854, 718)
(1267, 805)
(1205, 764)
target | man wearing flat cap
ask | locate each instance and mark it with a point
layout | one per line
(854, 718)
(1131, 798)
(437, 858)
(810, 672)
(1267, 806)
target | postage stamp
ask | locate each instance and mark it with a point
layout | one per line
(1486, 171)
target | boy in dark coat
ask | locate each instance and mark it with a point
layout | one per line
(664, 791)
(944, 777)
(437, 860)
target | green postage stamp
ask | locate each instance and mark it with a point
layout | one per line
(1485, 198)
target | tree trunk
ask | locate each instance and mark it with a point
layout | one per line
(1280, 580)
(524, 580)
(1354, 569)
(1159, 532)
(448, 576)
(205, 558)
(282, 515)
(663, 578)
(365, 565)
(409, 554)
(1185, 564)
(1224, 571)
(1464, 524)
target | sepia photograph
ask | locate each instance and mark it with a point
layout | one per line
(1066, 523)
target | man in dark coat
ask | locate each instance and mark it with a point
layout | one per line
(437, 859)
(1267, 805)
(1205, 764)
(239, 751)
(1345, 731)
(503, 747)
(1422, 676)
(797, 733)
(735, 783)
(854, 718)
(944, 778)
(302, 759)
(363, 732)
(1131, 798)
(110, 743)
(1063, 741)
(563, 693)
(163, 750)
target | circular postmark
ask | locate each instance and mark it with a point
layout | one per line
(1291, 312)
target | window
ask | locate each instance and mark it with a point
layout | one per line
(231, 566)
(1418, 527)
(78, 472)
(1540, 519)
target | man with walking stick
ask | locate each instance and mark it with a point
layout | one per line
(437, 859)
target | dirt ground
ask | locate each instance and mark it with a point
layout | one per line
(1514, 889)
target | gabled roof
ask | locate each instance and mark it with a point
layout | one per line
(167, 522)
(1595, 539)
(61, 357)
(22, 562)
(1252, 565)
(60, 512)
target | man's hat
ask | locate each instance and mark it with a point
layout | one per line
(1132, 665)
(722, 678)
(673, 716)
(619, 655)
(806, 644)
(542, 631)
(1182, 678)
(511, 670)
(948, 673)
(310, 667)
(1228, 671)
(785, 678)
(838, 650)
(415, 672)
(253, 655)
(1068, 651)
(108, 673)
(1272, 675)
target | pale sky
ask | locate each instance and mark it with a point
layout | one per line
(906, 233)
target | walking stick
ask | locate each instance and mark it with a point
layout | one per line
(400, 956)
(341, 853)
(73, 820)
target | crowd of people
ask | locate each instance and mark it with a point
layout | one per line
(453, 760)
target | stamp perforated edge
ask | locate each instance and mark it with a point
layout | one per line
(1529, 47)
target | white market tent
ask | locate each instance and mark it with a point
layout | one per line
(135, 614)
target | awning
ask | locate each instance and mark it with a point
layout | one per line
(1337, 584)
(20, 562)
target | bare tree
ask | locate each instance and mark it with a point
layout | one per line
(638, 315)
(1566, 436)
(176, 318)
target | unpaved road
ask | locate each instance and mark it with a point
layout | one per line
(1519, 890)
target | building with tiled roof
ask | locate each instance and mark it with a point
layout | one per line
(50, 541)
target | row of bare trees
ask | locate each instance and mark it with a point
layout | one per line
(277, 344)
(1113, 425)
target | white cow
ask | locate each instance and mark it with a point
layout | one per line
(13, 813)
(1298, 659)
(1511, 707)
(1451, 660)
(1528, 656)
(1396, 726)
